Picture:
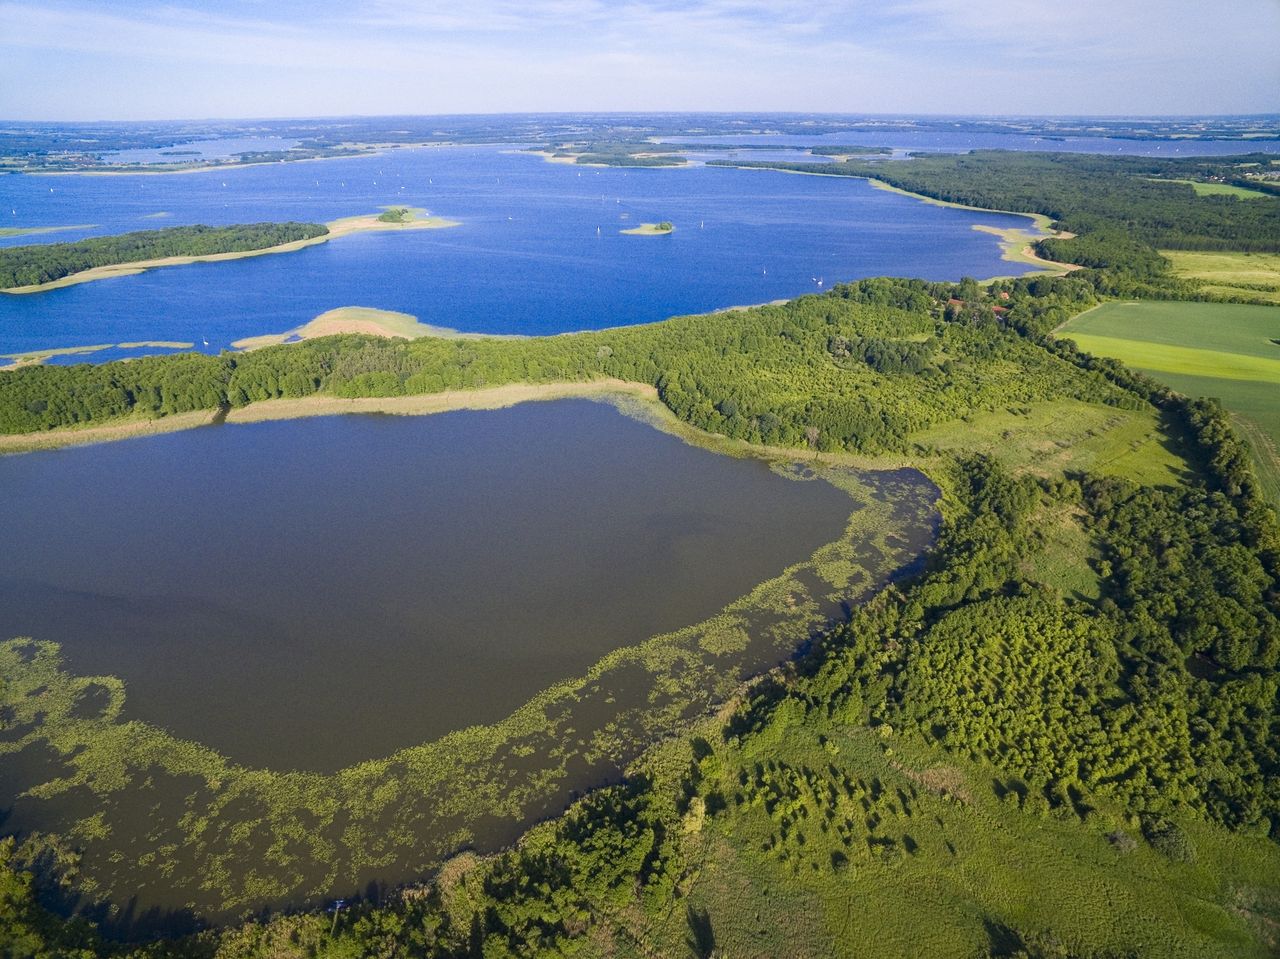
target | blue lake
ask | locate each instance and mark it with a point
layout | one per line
(539, 251)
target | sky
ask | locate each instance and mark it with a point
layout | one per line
(133, 59)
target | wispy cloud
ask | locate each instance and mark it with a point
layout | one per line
(247, 57)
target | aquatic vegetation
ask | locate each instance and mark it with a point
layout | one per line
(222, 837)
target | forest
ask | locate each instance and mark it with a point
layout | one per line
(765, 375)
(1130, 718)
(1122, 208)
(45, 262)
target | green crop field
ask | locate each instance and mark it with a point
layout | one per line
(1226, 351)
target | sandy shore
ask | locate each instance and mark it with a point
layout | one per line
(1017, 247)
(368, 223)
(569, 158)
(488, 398)
(367, 320)
(107, 432)
(647, 229)
(1043, 223)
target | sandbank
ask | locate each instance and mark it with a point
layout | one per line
(648, 229)
(7, 231)
(36, 357)
(361, 319)
(1016, 247)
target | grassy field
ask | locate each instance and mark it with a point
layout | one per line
(1252, 275)
(1201, 349)
(1221, 189)
(1065, 435)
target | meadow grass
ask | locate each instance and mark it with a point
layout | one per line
(1255, 410)
(1252, 275)
(1059, 436)
(1225, 351)
(838, 841)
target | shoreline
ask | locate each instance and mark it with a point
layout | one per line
(1015, 243)
(365, 320)
(38, 357)
(376, 149)
(647, 229)
(485, 398)
(8, 232)
(639, 400)
(343, 226)
(1016, 247)
(1042, 222)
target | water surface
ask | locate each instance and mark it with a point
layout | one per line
(310, 594)
(539, 250)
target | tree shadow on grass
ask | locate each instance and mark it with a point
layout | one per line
(702, 937)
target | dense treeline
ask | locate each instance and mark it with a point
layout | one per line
(45, 262)
(1122, 209)
(1084, 193)
(767, 375)
(1162, 695)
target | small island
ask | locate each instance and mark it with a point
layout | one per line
(651, 229)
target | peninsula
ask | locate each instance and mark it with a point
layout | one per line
(41, 267)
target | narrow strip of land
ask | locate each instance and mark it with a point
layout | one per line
(8, 231)
(36, 357)
(361, 319)
(488, 398)
(345, 226)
